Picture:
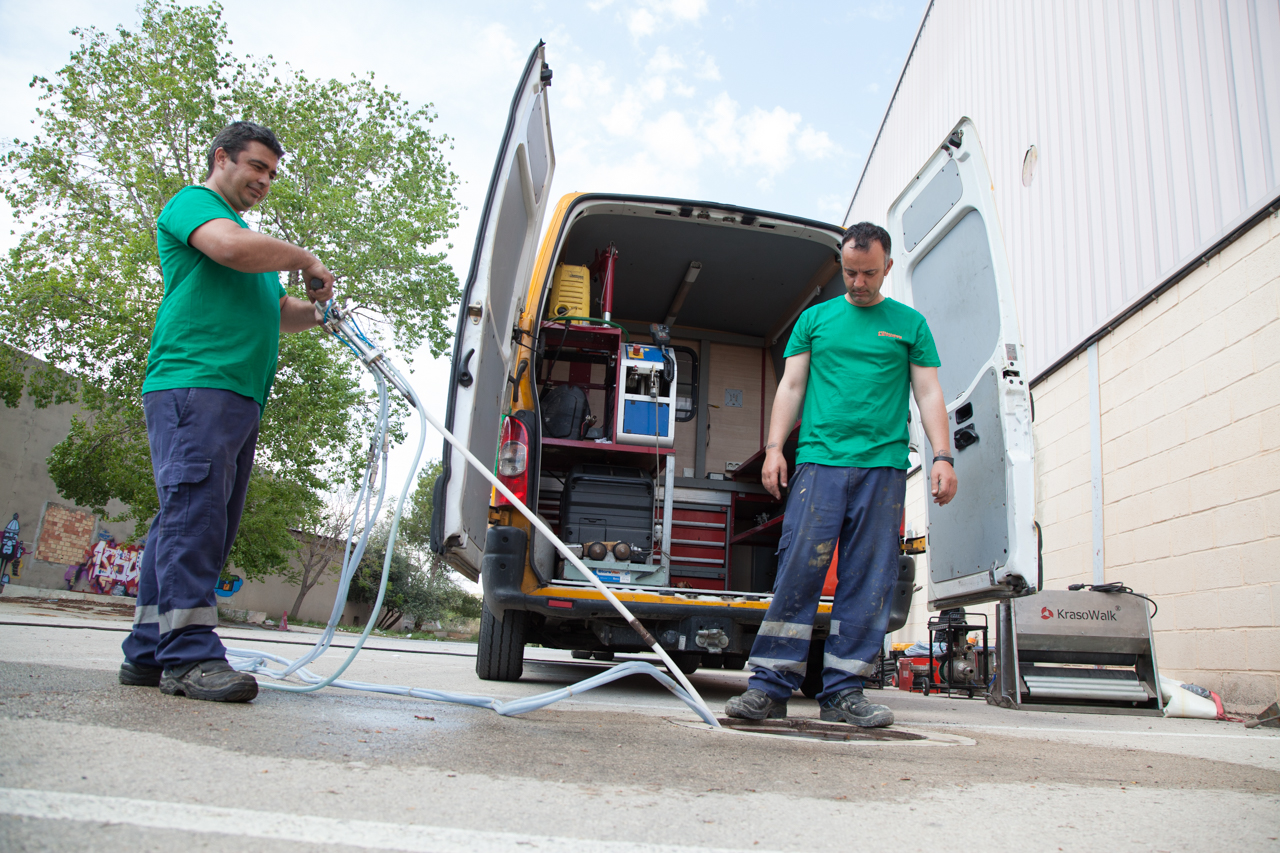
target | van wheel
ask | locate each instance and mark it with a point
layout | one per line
(735, 661)
(603, 656)
(812, 684)
(500, 656)
(686, 662)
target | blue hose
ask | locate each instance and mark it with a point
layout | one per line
(246, 660)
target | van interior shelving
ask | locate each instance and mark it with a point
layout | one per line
(730, 285)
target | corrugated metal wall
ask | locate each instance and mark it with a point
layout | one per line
(1157, 124)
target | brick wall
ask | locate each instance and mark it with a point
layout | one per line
(65, 533)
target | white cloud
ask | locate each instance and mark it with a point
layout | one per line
(663, 61)
(708, 70)
(815, 144)
(641, 22)
(597, 5)
(834, 205)
(883, 11)
(871, 88)
(673, 142)
(651, 15)
(623, 119)
(496, 44)
(760, 138)
(682, 10)
(655, 88)
(578, 87)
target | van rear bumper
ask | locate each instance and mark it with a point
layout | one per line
(503, 567)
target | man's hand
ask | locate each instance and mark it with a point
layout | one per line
(786, 408)
(318, 270)
(943, 483)
(774, 473)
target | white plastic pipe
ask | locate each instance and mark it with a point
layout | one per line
(255, 661)
(542, 528)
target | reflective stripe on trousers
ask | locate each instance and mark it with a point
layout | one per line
(860, 511)
(202, 443)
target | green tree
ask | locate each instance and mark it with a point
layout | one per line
(125, 125)
(419, 584)
(415, 525)
(323, 540)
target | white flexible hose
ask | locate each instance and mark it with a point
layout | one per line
(383, 371)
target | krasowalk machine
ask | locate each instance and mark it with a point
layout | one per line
(1078, 649)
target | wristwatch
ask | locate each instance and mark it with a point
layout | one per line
(946, 459)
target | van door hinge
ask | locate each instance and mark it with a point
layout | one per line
(475, 310)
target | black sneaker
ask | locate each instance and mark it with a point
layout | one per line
(850, 706)
(213, 680)
(139, 674)
(755, 704)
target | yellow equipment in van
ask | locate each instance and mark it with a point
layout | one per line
(570, 292)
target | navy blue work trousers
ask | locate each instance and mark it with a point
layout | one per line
(202, 442)
(858, 510)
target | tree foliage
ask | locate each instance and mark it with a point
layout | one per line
(419, 592)
(124, 126)
(420, 585)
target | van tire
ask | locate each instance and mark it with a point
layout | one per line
(500, 654)
(686, 662)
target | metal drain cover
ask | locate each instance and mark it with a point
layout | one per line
(817, 730)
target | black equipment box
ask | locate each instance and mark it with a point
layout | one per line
(607, 503)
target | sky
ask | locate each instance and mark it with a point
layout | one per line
(761, 104)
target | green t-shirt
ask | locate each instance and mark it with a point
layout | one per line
(855, 405)
(216, 328)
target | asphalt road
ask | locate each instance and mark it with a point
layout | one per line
(86, 764)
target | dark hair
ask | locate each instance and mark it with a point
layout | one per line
(862, 234)
(236, 137)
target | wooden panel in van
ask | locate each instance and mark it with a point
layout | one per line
(736, 432)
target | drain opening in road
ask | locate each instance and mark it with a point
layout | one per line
(817, 730)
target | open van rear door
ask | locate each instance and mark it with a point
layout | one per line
(492, 299)
(951, 266)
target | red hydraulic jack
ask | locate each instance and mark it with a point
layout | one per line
(604, 265)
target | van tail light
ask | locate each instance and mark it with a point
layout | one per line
(513, 460)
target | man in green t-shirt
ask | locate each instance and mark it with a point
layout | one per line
(209, 373)
(851, 362)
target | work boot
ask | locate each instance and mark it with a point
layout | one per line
(755, 704)
(213, 680)
(850, 706)
(139, 674)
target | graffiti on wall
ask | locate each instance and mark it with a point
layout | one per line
(111, 568)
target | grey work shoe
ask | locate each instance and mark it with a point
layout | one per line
(850, 706)
(755, 704)
(213, 680)
(139, 674)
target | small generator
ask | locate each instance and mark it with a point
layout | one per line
(646, 411)
(570, 292)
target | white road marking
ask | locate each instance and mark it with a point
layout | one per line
(303, 829)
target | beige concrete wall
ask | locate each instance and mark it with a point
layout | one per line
(273, 596)
(27, 436)
(1190, 394)
(1189, 391)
